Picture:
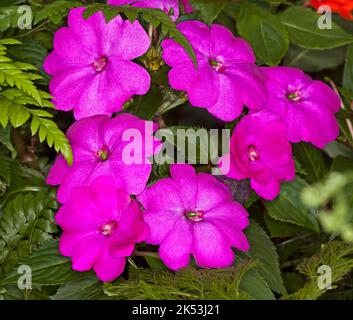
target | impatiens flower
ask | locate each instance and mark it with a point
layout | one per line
(99, 149)
(100, 228)
(190, 214)
(227, 77)
(170, 7)
(307, 106)
(343, 7)
(260, 150)
(90, 64)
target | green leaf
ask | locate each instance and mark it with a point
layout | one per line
(264, 32)
(13, 107)
(264, 252)
(26, 222)
(55, 11)
(48, 130)
(289, 208)
(314, 60)
(5, 138)
(19, 179)
(279, 229)
(348, 69)
(209, 10)
(302, 26)
(33, 52)
(146, 106)
(5, 171)
(255, 286)
(48, 267)
(311, 160)
(87, 288)
(335, 149)
(8, 17)
(342, 164)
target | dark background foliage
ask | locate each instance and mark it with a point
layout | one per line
(308, 225)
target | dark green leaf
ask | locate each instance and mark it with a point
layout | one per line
(314, 60)
(263, 250)
(311, 160)
(5, 138)
(303, 29)
(48, 266)
(289, 208)
(348, 69)
(264, 32)
(209, 10)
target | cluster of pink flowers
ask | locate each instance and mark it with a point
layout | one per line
(285, 105)
(107, 207)
(188, 214)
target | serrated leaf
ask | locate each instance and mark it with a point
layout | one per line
(280, 229)
(288, 206)
(311, 160)
(48, 130)
(87, 288)
(264, 252)
(255, 286)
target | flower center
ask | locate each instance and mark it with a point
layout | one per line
(103, 154)
(294, 96)
(217, 65)
(100, 64)
(194, 216)
(253, 154)
(108, 229)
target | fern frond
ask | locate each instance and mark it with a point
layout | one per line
(26, 222)
(336, 255)
(188, 283)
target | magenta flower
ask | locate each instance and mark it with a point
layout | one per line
(260, 150)
(100, 228)
(170, 7)
(98, 147)
(190, 214)
(227, 77)
(307, 106)
(90, 64)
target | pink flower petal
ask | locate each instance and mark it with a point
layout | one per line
(87, 251)
(209, 185)
(108, 268)
(224, 43)
(177, 245)
(230, 211)
(210, 248)
(185, 178)
(267, 191)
